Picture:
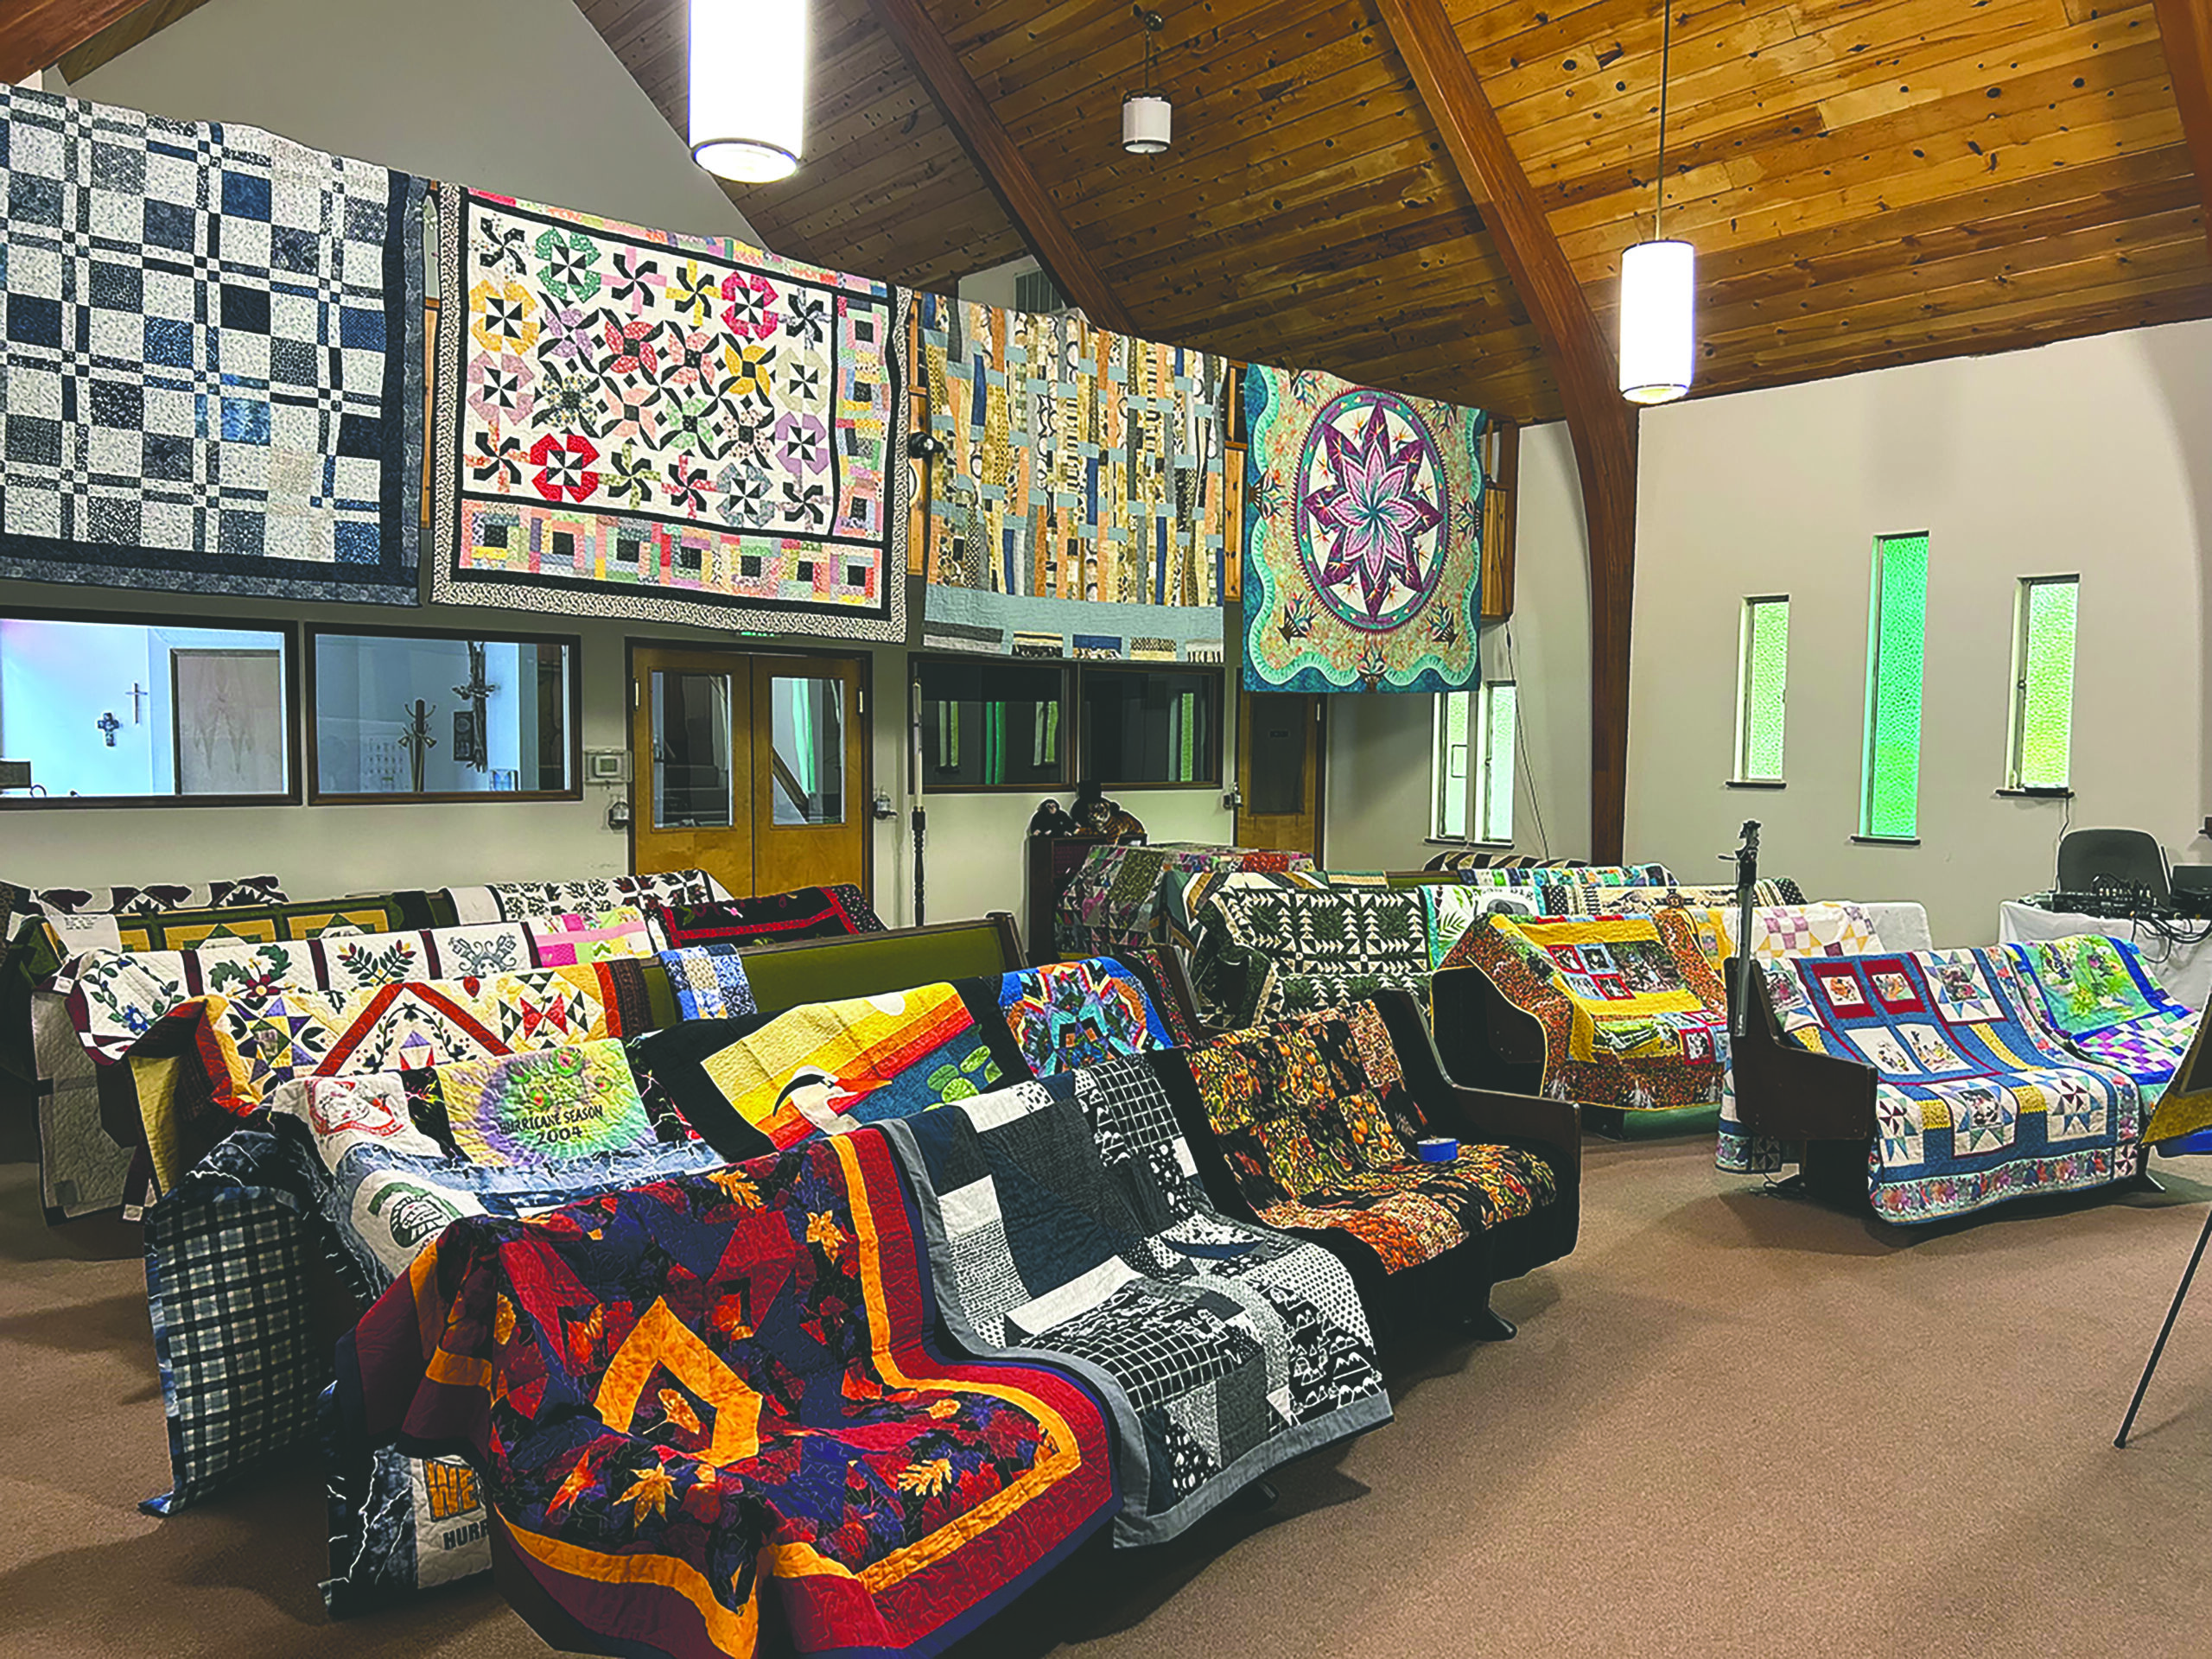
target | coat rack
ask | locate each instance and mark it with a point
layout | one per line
(471, 739)
(416, 740)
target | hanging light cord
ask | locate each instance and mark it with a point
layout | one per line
(1666, 46)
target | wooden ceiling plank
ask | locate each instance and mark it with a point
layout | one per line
(36, 34)
(1603, 426)
(2185, 38)
(118, 37)
(1001, 164)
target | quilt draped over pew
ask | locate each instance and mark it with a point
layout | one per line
(1976, 1100)
(1114, 900)
(1266, 952)
(711, 1418)
(1223, 1350)
(2097, 994)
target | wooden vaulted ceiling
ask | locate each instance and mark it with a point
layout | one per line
(1867, 181)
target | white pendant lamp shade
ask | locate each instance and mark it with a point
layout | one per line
(1147, 124)
(748, 88)
(1658, 334)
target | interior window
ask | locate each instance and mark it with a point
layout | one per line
(991, 725)
(424, 714)
(1149, 726)
(132, 710)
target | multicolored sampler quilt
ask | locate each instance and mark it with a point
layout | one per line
(751, 1408)
(1975, 1101)
(2096, 994)
(115, 996)
(753, 1086)
(1363, 536)
(214, 357)
(1780, 931)
(1071, 1014)
(1114, 899)
(679, 429)
(1080, 507)
(1313, 1117)
(1222, 1350)
(1266, 952)
(1633, 1015)
(400, 1159)
(710, 982)
(806, 913)
(224, 1054)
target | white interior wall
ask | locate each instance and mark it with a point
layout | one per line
(1378, 814)
(518, 97)
(2091, 455)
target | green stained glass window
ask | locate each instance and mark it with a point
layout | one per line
(1501, 701)
(1763, 676)
(2042, 682)
(1897, 640)
(1447, 768)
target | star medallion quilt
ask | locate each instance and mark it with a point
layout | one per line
(1363, 532)
(710, 1415)
(2096, 994)
(1311, 1117)
(1080, 507)
(214, 358)
(667, 427)
(1222, 1350)
(1976, 1100)
(1633, 1016)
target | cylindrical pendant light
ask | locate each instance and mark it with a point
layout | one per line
(1658, 288)
(1147, 118)
(748, 88)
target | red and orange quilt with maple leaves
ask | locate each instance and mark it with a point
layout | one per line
(710, 1415)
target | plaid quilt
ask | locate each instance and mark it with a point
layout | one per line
(716, 1403)
(1976, 1100)
(1222, 1350)
(2096, 994)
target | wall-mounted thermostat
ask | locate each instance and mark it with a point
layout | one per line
(606, 765)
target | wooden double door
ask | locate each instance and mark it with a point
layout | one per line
(751, 768)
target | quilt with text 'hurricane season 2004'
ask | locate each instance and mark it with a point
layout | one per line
(1364, 534)
(214, 378)
(676, 429)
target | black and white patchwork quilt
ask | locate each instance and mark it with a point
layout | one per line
(1066, 1224)
(213, 369)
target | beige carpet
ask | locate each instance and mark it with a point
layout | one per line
(1731, 1424)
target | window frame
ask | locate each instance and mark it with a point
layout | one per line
(1070, 706)
(2016, 725)
(1484, 762)
(1217, 723)
(1740, 776)
(1440, 769)
(294, 708)
(1876, 587)
(315, 796)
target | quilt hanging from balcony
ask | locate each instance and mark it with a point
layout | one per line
(676, 429)
(1077, 508)
(1362, 536)
(214, 378)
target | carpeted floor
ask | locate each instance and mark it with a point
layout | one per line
(1731, 1424)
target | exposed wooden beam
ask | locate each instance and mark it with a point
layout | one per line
(118, 37)
(2185, 28)
(1026, 201)
(1603, 426)
(35, 34)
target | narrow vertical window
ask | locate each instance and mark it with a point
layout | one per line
(1448, 769)
(2043, 682)
(1897, 645)
(1762, 679)
(1494, 765)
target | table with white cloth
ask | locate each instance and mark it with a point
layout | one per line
(1899, 926)
(2182, 964)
